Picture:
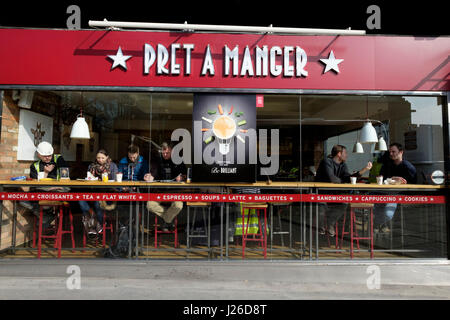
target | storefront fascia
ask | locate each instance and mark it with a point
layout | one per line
(139, 61)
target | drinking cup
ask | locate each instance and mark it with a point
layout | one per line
(380, 180)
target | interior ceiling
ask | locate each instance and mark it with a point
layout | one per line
(276, 107)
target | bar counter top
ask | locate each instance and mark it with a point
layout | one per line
(273, 184)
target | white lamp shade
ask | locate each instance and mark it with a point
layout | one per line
(381, 145)
(80, 129)
(358, 148)
(368, 133)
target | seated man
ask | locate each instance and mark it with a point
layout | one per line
(334, 169)
(48, 164)
(399, 170)
(167, 170)
(134, 166)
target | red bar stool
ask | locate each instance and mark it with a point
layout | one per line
(161, 232)
(107, 225)
(64, 207)
(261, 237)
(353, 232)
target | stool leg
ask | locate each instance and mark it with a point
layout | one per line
(55, 212)
(104, 230)
(34, 231)
(244, 230)
(194, 219)
(59, 232)
(371, 233)
(356, 231)
(84, 239)
(176, 232)
(40, 232)
(325, 223)
(336, 236)
(204, 224)
(351, 233)
(279, 226)
(188, 240)
(209, 230)
(71, 230)
(343, 231)
(156, 231)
(265, 233)
(260, 231)
(290, 227)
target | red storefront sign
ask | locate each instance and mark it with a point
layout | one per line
(200, 197)
(241, 61)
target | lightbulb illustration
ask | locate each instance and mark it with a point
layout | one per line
(224, 129)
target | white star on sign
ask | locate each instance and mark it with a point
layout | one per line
(331, 63)
(119, 59)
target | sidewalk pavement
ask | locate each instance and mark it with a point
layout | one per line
(222, 280)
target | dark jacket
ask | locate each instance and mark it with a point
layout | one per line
(330, 171)
(167, 170)
(38, 166)
(405, 170)
(133, 171)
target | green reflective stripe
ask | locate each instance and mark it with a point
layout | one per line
(55, 159)
(253, 225)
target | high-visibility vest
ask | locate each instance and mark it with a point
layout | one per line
(253, 223)
(55, 159)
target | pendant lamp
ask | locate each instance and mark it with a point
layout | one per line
(381, 145)
(80, 129)
(358, 148)
(368, 133)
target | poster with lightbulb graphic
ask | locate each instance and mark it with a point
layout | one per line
(224, 125)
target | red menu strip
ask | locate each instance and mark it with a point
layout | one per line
(200, 197)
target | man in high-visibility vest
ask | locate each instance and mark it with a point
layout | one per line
(47, 166)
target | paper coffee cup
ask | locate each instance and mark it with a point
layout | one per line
(119, 177)
(41, 175)
(353, 180)
(380, 180)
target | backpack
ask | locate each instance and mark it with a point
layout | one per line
(121, 248)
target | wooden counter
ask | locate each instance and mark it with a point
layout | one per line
(320, 185)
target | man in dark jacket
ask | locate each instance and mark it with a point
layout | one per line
(133, 167)
(399, 170)
(334, 169)
(169, 171)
